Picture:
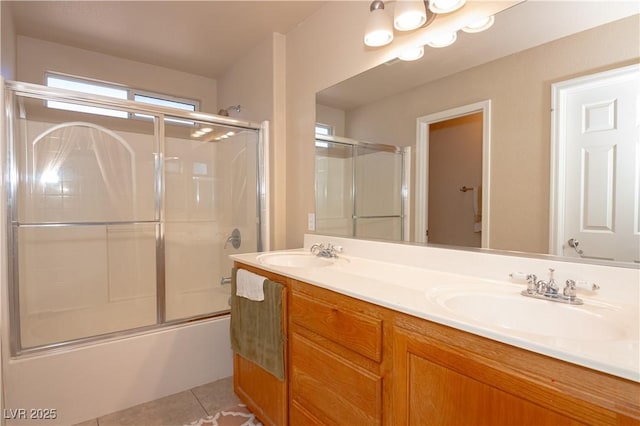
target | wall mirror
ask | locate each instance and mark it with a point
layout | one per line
(506, 75)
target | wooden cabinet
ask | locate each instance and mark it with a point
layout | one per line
(336, 359)
(351, 363)
(263, 393)
(443, 376)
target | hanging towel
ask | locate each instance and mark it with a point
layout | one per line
(477, 209)
(250, 285)
(256, 327)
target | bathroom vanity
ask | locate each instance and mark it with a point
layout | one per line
(363, 351)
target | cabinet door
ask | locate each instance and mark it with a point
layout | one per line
(437, 385)
(262, 392)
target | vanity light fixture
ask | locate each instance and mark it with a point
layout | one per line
(411, 15)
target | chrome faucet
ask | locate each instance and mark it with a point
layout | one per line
(329, 251)
(549, 290)
(234, 239)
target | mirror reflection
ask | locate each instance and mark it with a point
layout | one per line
(494, 163)
(361, 188)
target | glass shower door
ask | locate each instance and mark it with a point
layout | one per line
(84, 224)
(360, 189)
(210, 191)
(378, 182)
(334, 188)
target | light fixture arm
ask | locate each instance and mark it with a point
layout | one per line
(376, 5)
(430, 15)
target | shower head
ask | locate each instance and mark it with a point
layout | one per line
(225, 111)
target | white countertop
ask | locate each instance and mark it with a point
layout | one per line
(608, 341)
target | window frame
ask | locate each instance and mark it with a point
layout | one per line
(131, 93)
(327, 127)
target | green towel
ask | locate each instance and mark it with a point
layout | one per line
(256, 327)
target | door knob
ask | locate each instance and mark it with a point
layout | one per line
(574, 244)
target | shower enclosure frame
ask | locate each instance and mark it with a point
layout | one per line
(405, 153)
(34, 91)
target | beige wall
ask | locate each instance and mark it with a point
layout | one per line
(7, 42)
(241, 84)
(257, 83)
(333, 117)
(519, 87)
(35, 57)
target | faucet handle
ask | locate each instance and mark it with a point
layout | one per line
(570, 288)
(532, 283)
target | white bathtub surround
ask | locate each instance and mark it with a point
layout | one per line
(602, 334)
(93, 380)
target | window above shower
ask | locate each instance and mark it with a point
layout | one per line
(113, 90)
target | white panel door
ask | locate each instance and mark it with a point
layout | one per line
(601, 218)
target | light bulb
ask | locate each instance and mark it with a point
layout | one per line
(479, 25)
(409, 15)
(443, 39)
(412, 53)
(445, 6)
(379, 30)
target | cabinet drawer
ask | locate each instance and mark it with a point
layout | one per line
(353, 330)
(330, 389)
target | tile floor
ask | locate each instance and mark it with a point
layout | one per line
(178, 409)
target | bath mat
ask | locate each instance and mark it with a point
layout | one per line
(238, 415)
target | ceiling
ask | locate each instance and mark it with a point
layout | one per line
(198, 37)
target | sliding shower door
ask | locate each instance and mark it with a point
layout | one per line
(378, 199)
(334, 188)
(122, 219)
(210, 192)
(85, 224)
(360, 189)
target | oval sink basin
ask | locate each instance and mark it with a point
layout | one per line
(294, 260)
(519, 313)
